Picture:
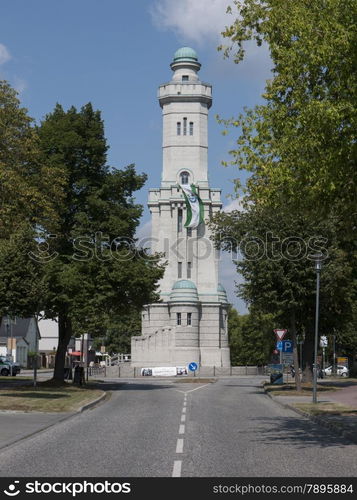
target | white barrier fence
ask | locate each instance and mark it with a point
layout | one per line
(127, 371)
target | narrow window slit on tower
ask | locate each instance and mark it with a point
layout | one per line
(189, 269)
(191, 128)
(178, 128)
(185, 126)
(189, 319)
(179, 269)
(179, 220)
(178, 318)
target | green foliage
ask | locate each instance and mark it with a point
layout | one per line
(28, 185)
(275, 260)
(300, 146)
(67, 239)
(97, 270)
(251, 338)
(120, 330)
(22, 285)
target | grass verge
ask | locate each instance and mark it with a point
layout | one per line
(47, 399)
(289, 389)
(17, 378)
(326, 408)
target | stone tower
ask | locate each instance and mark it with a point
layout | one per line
(190, 322)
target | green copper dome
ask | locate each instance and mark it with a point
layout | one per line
(184, 284)
(185, 54)
(222, 294)
(184, 291)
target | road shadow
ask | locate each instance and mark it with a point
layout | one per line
(127, 386)
(298, 432)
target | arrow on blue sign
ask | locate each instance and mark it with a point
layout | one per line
(193, 367)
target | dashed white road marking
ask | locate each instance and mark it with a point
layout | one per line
(177, 468)
(182, 429)
(179, 446)
(183, 418)
(184, 409)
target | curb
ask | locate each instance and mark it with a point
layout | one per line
(92, 403)
(321, 421)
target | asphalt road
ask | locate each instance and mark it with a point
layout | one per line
(152, 428)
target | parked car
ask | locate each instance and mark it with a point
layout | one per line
(8, 367)
(341, 370)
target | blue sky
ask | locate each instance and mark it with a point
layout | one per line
(115, 53)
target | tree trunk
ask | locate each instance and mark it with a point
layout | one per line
(308, 351)
(295, 351)
(64, 336)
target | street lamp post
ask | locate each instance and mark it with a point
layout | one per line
(318, 265)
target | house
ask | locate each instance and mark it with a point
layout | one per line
(18, 339)
(76, 350)
(48, 343)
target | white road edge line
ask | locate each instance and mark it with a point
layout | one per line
(182, 429)
(179, 446)
(177, 468)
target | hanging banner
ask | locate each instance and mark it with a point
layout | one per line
(194, 206)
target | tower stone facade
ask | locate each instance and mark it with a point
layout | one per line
(190, 322)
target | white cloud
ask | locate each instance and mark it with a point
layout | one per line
(235, 204)
(201, 23)
(4, 54)
(19, 84)
(192, 20)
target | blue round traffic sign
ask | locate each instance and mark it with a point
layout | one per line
(193, 367)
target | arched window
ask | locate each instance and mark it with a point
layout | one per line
(184, 177)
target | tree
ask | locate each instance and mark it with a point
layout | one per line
(275, 260)
(22, 285)
(300, 145)
(120, 330)
(92, 268)
(250, 337)
(28, 185)
(300, 148)
(28, 188)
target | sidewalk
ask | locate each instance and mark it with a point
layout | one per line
(344, 424)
